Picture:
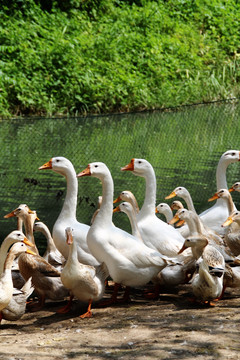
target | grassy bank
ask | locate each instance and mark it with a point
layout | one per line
(78, 57)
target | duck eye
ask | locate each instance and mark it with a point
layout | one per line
(179, 188)
(95, 166)
(233, 153)
(140, 162)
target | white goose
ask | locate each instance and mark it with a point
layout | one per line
(129, 261)
(218, 213)
(84, 282)
(6, 284)
(67, 216)
(207, 283)
(155, 233)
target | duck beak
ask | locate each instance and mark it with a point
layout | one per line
(116, 209)
(69, 236)
(180, 223)
(33, 212)
(174, 219)
(156, 211)
(231, 189)
(129, 167)
(182, 249)
(228, 222)
(27, 242)
(11, 214)
(214, 197)
(47, 165)
(85, 172)
(170, 196)
(28, 251)
(117, 200)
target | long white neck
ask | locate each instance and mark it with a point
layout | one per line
(221, 174)
(150, 193)
(133, 221)
(106, 210)
(73, 254)
(70, 202)
(168, 214)
(188, 199)
(46, 232)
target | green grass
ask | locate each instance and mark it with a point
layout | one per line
(81, 57)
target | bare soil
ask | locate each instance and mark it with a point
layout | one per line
(171, 327)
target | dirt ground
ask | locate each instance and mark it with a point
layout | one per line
(171, 327)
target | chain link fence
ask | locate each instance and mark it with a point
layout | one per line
(183, 145)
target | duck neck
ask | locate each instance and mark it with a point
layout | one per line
(168, 214)
(73, 254)
(230, 204)
(188, 199)
(133, 222)
(150, 193)
(3, 252)
(106, 209)
(28, 221)
(8, 262)
(70, 202)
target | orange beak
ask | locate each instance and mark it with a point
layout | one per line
(170, 196)
(27, 242)
(30, 252)
(47, 165)
(117, 200)
(174, 220)
(11, 214)
(180, 223)
(228, 222)
(214, 197)
(182, 249)
(85, 172)
(116, 209)
(231, 189)
(129, 167)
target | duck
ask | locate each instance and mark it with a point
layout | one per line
(165, 209)
(84, 282)
(21, 212)
(129, 261)
(176, 205)
(45, 278)
(224, 194)
(155, 233)
(207, 283)
(232, 237)
(128, 196)
(235, 187)
(183, 193)
(130, 211)
(6, 284)
(67, 216)
(52, 255)
(17, 305)
(214, 216)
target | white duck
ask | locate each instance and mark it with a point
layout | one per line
(84, 282)
(67, 216)
(52, 255)
(129, 261)
(235, 187)
(6, 284)
(218, 213)
(183, 193)
(164, 209)
(17, 306)
(130, 211)
(155, 233)
(207, 284)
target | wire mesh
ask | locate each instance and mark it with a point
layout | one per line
(183, 146)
